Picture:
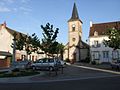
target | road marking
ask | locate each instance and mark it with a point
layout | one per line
(97, 69)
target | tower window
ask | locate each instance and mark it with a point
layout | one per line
(73, 39)
(73, 27)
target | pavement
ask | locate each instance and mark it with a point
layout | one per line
(70, 72)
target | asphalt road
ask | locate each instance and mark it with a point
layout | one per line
(107, 83)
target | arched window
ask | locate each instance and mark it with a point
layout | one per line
(73, 27)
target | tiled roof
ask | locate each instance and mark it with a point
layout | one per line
(101, 28)
(12, 32)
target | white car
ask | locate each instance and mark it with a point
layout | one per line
(46, 63)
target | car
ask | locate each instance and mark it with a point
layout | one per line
(45, 64)
(62, 63)
(19, 65)
(116, 65)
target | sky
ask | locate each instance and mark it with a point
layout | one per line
(27, 16)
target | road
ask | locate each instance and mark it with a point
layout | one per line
(107, 83)
(73, 78)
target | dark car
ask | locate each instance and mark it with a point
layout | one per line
(116, 65)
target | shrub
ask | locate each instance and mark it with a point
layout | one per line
(67, 60)
(93, 62)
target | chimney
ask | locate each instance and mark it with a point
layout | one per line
(90, 23)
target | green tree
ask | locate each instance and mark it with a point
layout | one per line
(60, 49)
(49, 43)
(29, 43)
(114, 38)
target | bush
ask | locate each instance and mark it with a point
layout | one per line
(67, 60)
(87, 60)
(93, 62)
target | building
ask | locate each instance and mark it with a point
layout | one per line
(5, 58)
(75, 49)
(6, 40)
(99, 52)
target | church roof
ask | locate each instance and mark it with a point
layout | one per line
(75, 15)
(101, 28)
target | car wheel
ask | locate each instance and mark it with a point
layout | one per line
(34, 68)
(51, 69)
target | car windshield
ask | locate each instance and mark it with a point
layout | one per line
(50, 60)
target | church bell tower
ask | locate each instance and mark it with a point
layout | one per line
(74, 35)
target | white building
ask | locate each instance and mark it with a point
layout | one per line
(99, 52)
(6, 40)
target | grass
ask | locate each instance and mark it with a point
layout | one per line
(18, 73)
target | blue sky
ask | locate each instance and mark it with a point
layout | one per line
(26, 16)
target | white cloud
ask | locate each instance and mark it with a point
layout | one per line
(24, 1)
(4, 9)
(25, 9)
(9, 1)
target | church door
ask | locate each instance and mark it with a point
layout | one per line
(74, 57)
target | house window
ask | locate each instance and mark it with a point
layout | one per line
(96, 44)
(95, 33)
(105, 54)
(96, 55)
(115, 54)
(73, 27)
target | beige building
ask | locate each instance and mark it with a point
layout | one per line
(76, 49)
(6, 40)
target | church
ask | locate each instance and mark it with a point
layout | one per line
(75, 50)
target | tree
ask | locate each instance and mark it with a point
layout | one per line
(49, 43)
(114, 38)
(29, 43)
(60, 50)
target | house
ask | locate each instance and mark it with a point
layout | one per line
(5, 58)
(75, 49)
(99, 52)
(6, 40)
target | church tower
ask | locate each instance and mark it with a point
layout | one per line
(74, 35)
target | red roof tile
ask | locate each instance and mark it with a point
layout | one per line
(101, 28)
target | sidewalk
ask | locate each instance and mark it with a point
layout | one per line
(100, 66)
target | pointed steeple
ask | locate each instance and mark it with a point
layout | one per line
(75, 15)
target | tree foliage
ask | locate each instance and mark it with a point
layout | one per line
(114, 38)
(49, 43)
(25, 42)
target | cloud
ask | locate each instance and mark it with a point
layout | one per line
(4, 9)
(25, 9)
(15, 6)
(25, 1)
(9, 1)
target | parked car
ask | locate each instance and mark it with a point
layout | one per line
(19, 65)
(62, 63)
(45, 64)
(115, 65)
